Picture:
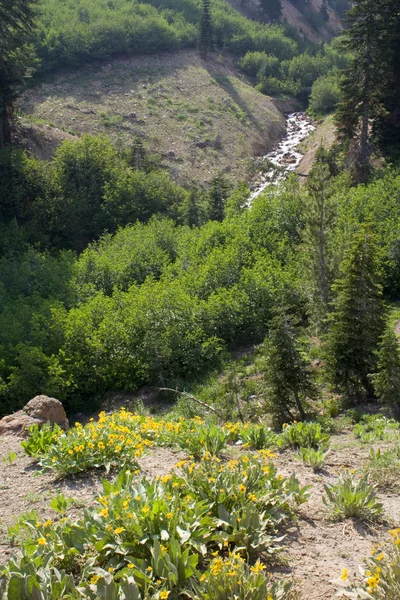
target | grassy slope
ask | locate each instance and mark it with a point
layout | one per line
(202, 117)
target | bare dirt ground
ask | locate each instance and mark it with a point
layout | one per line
(201, 117)
(316, 549)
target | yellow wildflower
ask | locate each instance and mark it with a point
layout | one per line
(119, 530)
(258, 568)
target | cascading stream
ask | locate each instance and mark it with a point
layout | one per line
(286, 157)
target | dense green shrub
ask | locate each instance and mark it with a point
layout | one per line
(325, 94)
(259, 64)
(296, 76)
(156, 302)
(72, 32)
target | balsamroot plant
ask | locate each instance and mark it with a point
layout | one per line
(314, 458)
(257, 437)
(199, 437)
(41, 438)
(231, 577)
(381, 573)
(352, 497)
(304, 435)
(195, 532)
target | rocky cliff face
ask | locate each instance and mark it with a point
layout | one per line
(304, 15)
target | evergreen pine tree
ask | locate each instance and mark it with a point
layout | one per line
(386, 128)
(16, 23)
(371, 39)
(194, 210)
(288, 379)
(217, 197)
(357, 321)
(138, 155)
(387, 379)
(324, 11)
(317, 258)
(206, 41)
(272, 9)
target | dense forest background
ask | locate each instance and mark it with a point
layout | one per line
(112, 275)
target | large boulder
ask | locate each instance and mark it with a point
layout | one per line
(40, 410)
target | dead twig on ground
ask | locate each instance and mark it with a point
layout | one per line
(207, 406)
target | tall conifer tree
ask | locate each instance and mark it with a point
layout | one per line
(386, 129)
(324, 11)
(272, 9)
(288, 380)
(16, 23)
(206, 37)
(319, 217)
(371, 80)
(357, 321)
(387, 380)
(218, 195)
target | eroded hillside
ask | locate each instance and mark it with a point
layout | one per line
(201, 117)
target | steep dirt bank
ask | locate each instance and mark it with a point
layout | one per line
(324, 135)
(201, 117)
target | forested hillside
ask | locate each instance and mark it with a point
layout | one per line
(200, 117)
(193, 271)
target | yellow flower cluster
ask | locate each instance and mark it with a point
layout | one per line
(116, 437)
(395, 533)
(373, 579)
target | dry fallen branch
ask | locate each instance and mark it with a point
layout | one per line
(207, 406)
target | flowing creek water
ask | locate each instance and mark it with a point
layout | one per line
(286, 157)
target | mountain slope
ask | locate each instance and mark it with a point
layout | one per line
(201, 118)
